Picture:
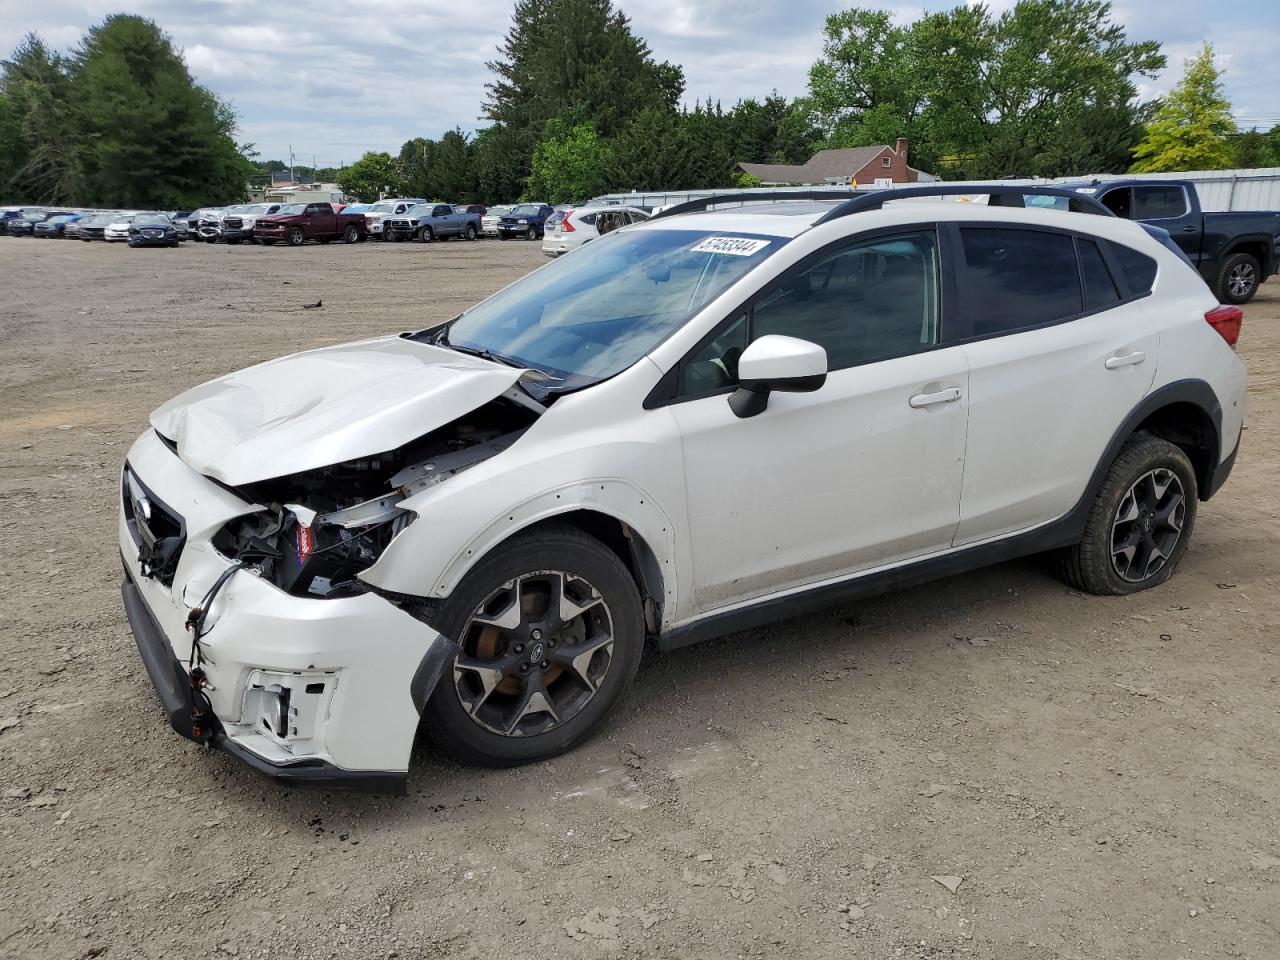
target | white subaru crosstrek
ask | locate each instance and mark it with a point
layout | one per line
(692, 426)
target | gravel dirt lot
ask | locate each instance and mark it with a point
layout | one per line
(989, 766)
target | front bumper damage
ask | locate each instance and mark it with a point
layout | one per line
(306, 690)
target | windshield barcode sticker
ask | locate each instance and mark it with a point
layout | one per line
(733, 246)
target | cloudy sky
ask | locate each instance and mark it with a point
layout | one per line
(334, 78)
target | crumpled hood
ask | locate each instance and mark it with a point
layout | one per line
(325, 406)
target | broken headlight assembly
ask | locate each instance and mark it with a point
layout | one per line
(320, 528)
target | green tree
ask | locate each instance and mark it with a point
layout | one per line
(569, 165)
(1045, 88)
(1192, 129)
(151, 136)
(40, 155)
(370, 177)
(576, 60)
(501, 158)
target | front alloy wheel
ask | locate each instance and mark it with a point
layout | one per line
(550, 631)
(296, 236)
(534, 654)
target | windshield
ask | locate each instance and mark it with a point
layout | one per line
(419, 210)
(527, 209)
(152, 219)
(292, 208)
(584, 318)
(383, 206)
(498, 211)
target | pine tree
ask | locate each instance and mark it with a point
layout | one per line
(40, 160)
(152, 137)
(1192, 129)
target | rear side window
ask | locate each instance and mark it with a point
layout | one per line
(1138, 269)
(1158, 202)
(1099, 288)
(1017, 279)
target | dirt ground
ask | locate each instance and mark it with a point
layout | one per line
(991, 766)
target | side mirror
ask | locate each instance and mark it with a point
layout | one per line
(785, 364)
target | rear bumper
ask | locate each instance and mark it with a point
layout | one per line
(1219, 474)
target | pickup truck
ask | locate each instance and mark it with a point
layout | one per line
(377, 213)
(433, 221)
(296, 223)
(1234, 251)
(527, 220)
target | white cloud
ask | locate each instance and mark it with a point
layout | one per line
(335, 77)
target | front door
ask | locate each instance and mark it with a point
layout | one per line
(863, 472)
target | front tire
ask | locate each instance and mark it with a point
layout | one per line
(296, 237)
(551, 631)
(1140, 523)
(531, 233)
(426, 235)
(1238, 279)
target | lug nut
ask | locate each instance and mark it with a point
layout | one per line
(537, 634)
(546, 664)
(519, 648)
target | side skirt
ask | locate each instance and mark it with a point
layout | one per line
(1060, 533)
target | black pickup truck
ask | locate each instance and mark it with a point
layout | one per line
(1234, 251)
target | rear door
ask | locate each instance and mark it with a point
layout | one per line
(1058, 357)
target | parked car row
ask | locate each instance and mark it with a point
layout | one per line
(137, 228)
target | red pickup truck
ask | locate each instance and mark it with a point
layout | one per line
(296, 223)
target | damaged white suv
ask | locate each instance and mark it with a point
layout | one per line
(690, 427)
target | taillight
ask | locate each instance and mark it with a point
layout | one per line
(565, 225)
(1226, 320)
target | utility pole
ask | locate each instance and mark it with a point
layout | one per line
(292, 178)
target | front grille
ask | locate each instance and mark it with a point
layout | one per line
(153, 233)
(401, 224)
(157, 531)
(233, 223)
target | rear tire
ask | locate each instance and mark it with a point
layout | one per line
(1238, 279)
(580, 688)
(1140, 522)
(471, 232)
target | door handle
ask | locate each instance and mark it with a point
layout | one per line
(1128, 360)
(949, 395)
(1190, 228)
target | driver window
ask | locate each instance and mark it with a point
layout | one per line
(1119, 202)
(870, 300)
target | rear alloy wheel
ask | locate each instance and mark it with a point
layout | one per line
(551, 633)
(296, 237)
(1140, 522)
(351, 234)
(471, 232)
(1238, 278)
(531, 233)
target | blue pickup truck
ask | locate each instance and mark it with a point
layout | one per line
(433, 221)
(527, 220)
(1234, 251)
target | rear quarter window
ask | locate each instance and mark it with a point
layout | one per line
(1016, 279)
(1138, 270)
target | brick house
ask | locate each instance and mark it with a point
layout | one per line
(860, 165)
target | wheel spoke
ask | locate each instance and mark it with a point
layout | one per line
(1167, 517)
(569, 609)
(510, 616)
(1127, 549)
(578, 657)
(533, 700)
(1128, 509)
(488, 675)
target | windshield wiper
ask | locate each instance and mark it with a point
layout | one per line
(482, 354)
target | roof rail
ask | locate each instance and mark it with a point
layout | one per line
(1001, 194)
(701, 203)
